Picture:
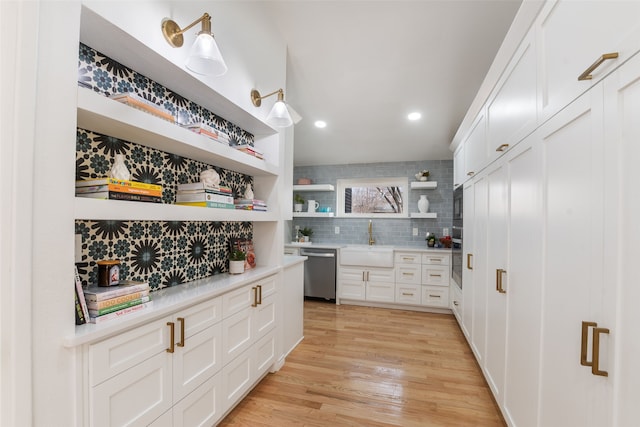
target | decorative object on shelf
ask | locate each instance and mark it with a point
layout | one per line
(431, 240)
(119, 169)
(306, 234)
(423, 175)
(210, 177)
(204, 57)
(312, 206)
(304, 181)
(298, 201)
(279, 115)
(108, 272)
(248, 192)
(446, 241)
(423, 204)
(236, 261)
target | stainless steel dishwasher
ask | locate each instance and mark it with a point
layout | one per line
(319, 273)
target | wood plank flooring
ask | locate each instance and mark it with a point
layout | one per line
(363, 366)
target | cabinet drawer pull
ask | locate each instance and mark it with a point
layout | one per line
(499, 273)
(435, 275)
(181, 320)
(586, 75)
(595, 367)
(407, 258)
(469, 256)
(407, 274)
(435, 259)
(470, 173)
(583, 342)
(255, 296)
(259, 294)
(502, 147)
(407, 294)
(456, 303)
(172, 336)
(434, 296)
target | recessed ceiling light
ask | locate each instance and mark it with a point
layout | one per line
(414, 116)
(320, 124)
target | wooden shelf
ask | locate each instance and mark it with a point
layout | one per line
(313, 214)
(423, 215)
(314, 187)
(424, 185)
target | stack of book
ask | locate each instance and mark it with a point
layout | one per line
(136, 101)
(108, 303)
(251, 204)
(204, 195)
(209, 131)
(118, 189)
(252, 151)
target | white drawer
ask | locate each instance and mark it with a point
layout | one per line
(435, 259)
(435, 275)
(408, 273)
(408, 294)
(381, 292)
(380, 275)
(435, 296)
(199, 317)
(407, 258)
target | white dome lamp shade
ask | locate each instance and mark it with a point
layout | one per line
(279, 115)
(205, 57)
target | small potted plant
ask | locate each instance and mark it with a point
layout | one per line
(431, 240)
(423, 175)
(298, 201)
(306, 233)
(236, 261)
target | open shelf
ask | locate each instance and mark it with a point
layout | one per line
(313, 214)
(423, 215)
(314, 187)
(424, 185)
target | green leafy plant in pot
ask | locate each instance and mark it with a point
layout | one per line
(431, 240)
(236, 262)
(307, 233)
(298, 201)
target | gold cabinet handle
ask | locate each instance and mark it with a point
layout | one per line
(434, 296)
(172, 336)
(255, 296)
(407, 294)
(181, 320)
(469, 256)
(259, 294)
(499, 273)
(470, 173)
(502, 147)
(456, 303)
(595, 352)
(586, 75)
(407, 274)
(584, 342)
(435, 275)
(363, 279)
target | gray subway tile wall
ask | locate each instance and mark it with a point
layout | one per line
(398, 231)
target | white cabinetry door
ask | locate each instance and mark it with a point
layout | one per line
(407, 293)
(352, 283)
(475, 147)
(468, 285)
(573, 148)
(459, 175)
(480, 274)
(511, 113)
(622, 127)
(201, 408)
(498, 277)
(572, 35)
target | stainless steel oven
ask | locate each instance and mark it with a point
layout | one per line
(457, 231)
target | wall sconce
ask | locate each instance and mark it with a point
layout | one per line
(204, 57)
(279, 115)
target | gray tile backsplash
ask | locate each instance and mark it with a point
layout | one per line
(385, 231)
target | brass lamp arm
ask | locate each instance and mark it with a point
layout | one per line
(173, 33)
(206, 24)
(256, 98)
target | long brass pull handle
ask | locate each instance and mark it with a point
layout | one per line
(469, 267)
(363, 279)
(586, 75)
(499, 273)
(456, 303)
(181, 320)
(259, 294)
(407, 274)
(435, 275)
(595, 351)
(434, 296)
(172, 336)
(255, 297)
(368, 276)
(584, 342)
(502, 147)
(407, 294)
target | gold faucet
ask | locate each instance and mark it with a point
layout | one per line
(371, 241)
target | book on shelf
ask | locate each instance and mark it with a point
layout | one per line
(209, 131)
(116, 195)
(248, 149)
(204, 197)
(120, 313)
(136, 101)
(82, 311)
(99, 305)
(217, 205)
(203, 186)
(101, 293)
(246, 246)
(117, 189)
(126, 304)
(120, 182)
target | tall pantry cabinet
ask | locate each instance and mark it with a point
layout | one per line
(551, 290)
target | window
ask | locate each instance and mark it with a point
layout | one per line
(371, 197)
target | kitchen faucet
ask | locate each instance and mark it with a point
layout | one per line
(371, 241)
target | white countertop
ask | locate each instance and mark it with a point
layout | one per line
(291, 260)
(396, 248)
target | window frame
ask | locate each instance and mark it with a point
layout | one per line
(344, 183)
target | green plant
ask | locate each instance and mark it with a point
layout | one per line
(431, 237)
(237, 255)
(306, 231)
(298, 199)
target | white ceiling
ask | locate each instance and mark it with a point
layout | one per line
(362, 66)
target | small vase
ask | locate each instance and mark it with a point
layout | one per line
(423, 204)
(119, 169)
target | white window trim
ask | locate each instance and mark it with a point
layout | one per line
(342, 184)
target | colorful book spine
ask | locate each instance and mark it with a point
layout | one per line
(127, 304)
(120, 313)
(80, 299)
(120, 182)
(202, 186)
(96, 293)
(204, 197)
(142, 104)
(99, 305)
(118, 189)
(116, 195)
(208, 205)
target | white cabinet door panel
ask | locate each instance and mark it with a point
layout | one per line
(381, 291)
(203, 407)
(408, 273)
(475, 147)
(237, 335)
(480, 275)
(264, 354)
(435, 275)
(264, 317)
(236, 379)
(408, 294)
(435, 296)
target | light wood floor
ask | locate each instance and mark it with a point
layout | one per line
(362, 366)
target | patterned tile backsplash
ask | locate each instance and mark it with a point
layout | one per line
(165, 253)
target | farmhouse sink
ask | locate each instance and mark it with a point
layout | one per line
(367, 256)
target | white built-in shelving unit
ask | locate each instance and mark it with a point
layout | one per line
(423, 185)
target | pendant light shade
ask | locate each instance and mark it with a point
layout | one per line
(279, 115)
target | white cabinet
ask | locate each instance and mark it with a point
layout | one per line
(136, 376)
(573, 35)
(408, 268)
(459, 175)
(457, 303)
(475, 147)
(370, 284)
(293, 307)
(468, 287)
(422, 278)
